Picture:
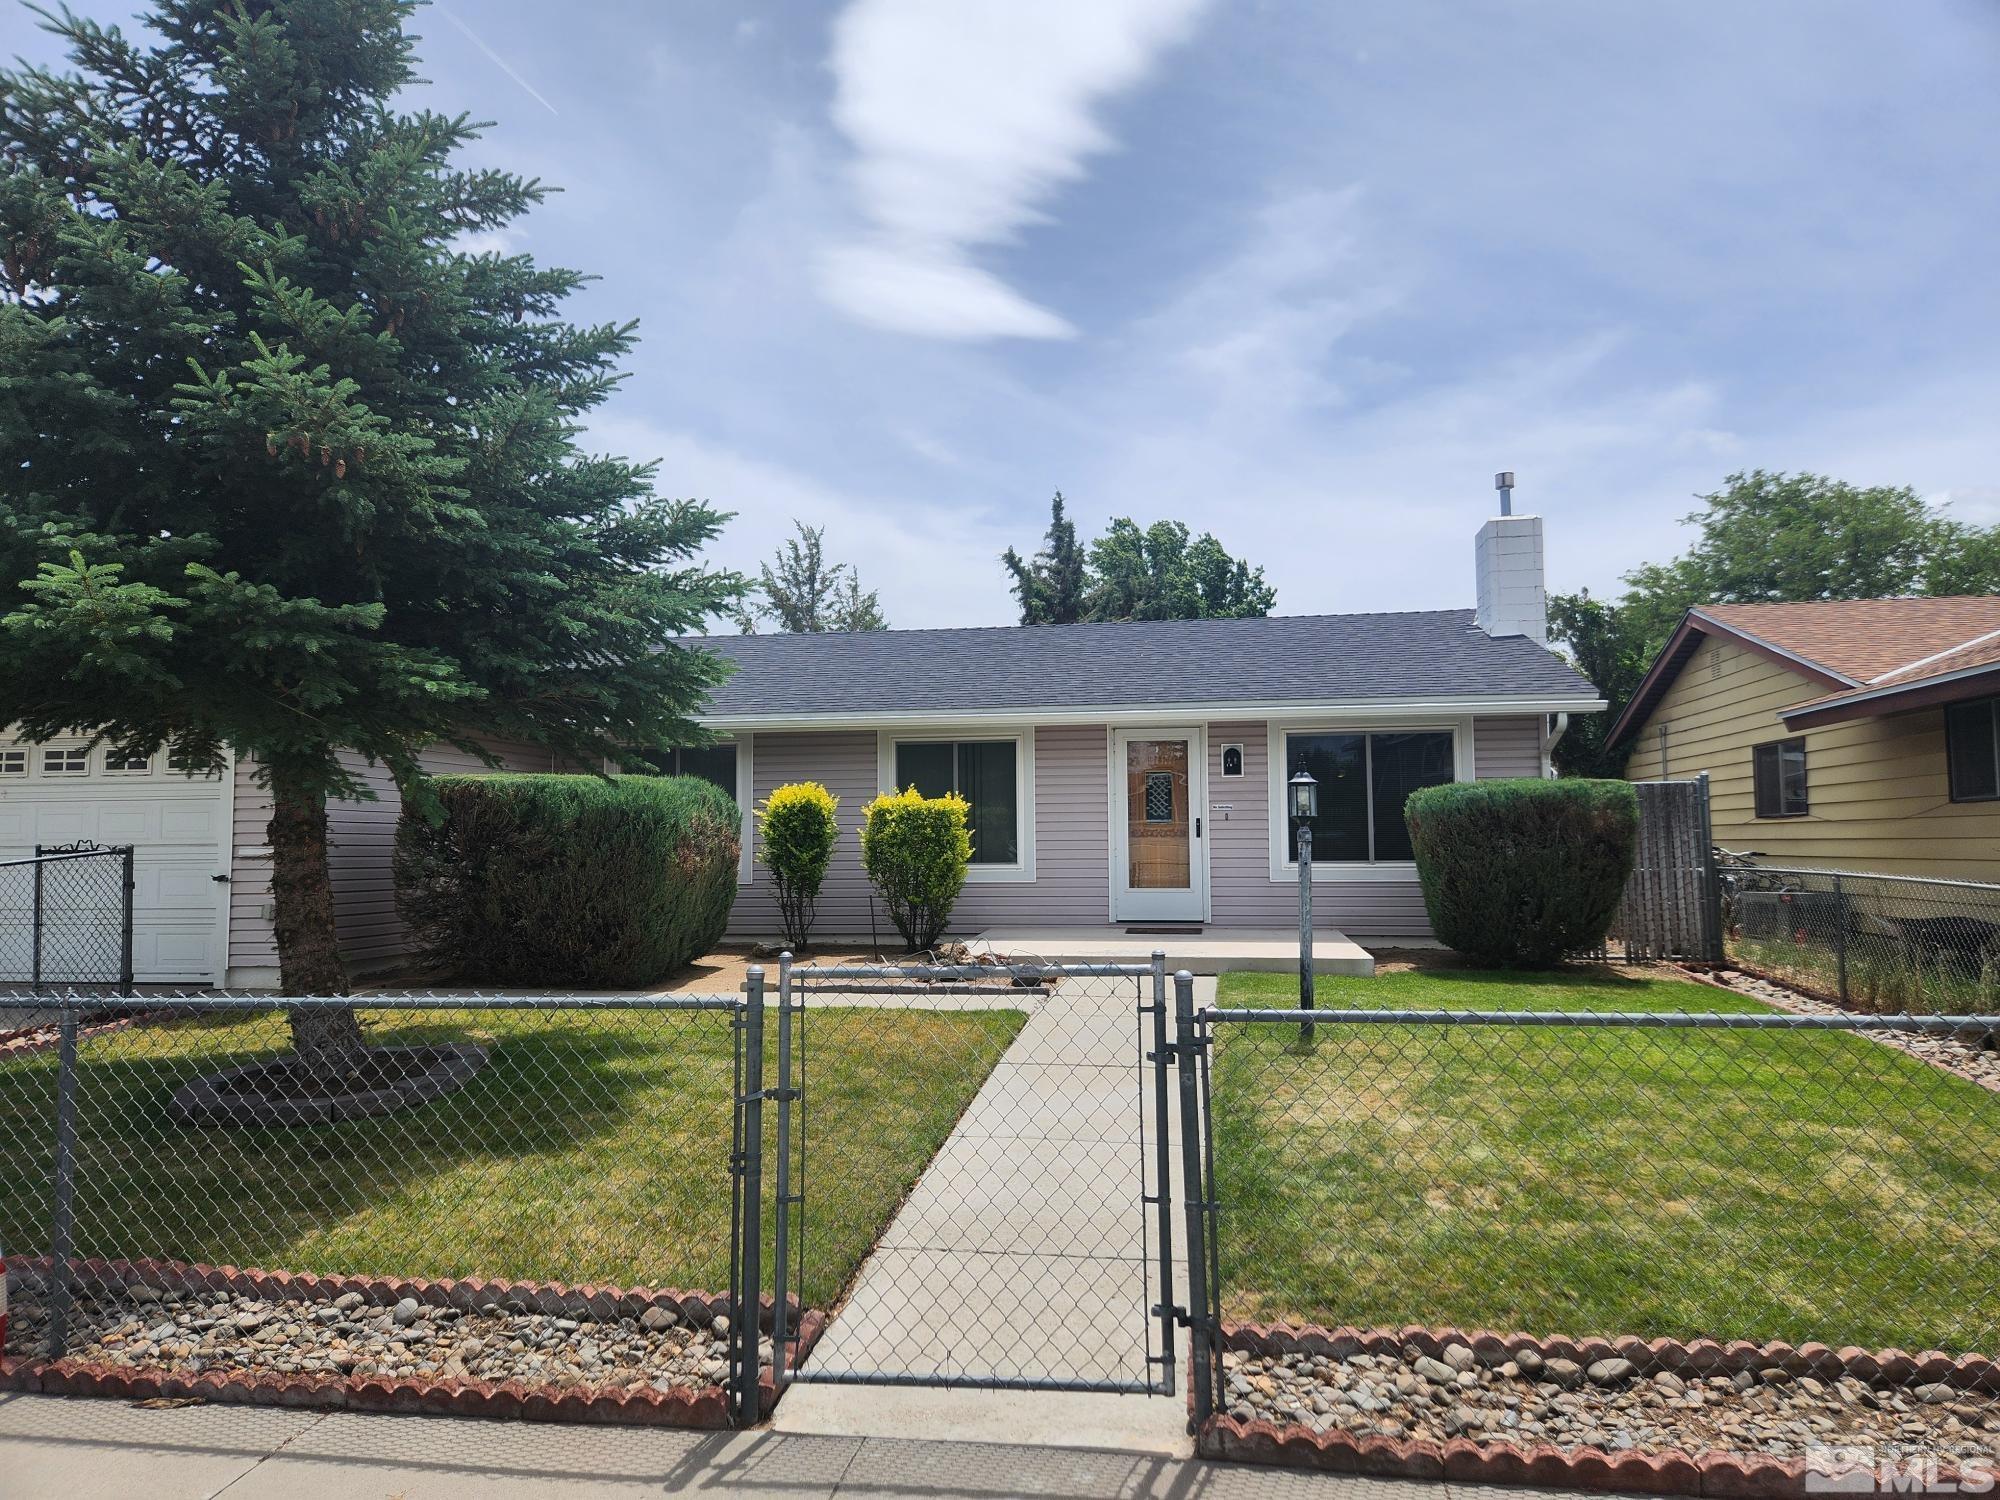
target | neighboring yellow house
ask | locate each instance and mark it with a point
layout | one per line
(1853, 734)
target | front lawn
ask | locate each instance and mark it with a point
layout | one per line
(1665, 1183)
(591, 1149)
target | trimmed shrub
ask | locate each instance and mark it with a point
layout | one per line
(916, 850)
(797, 831)
(567, 880)
(1523, 873)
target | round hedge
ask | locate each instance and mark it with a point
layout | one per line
(567, 880)
(1523, 873)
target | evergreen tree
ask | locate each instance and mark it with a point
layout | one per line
(289, 474)
(805, 594)
(1051, 587)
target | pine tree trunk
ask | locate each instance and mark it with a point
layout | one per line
(328, 1042)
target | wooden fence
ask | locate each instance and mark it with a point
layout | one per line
(1672, 904)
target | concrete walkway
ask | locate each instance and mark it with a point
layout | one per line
(56, 1449)
(1025, 1250)
(1271, 950)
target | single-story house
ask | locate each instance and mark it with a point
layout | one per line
(1118, 773)
(1859, 734)
(1134, 772)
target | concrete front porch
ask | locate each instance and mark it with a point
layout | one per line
(1207, 950)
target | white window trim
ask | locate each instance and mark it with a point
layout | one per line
(1285, 869)
(66, 751)
(1022, 871)
(111, 770)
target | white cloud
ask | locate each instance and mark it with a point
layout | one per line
(917, 553)
(965, 119)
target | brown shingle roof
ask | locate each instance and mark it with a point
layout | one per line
(1862, 639)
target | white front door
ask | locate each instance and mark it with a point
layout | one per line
(1159, 801)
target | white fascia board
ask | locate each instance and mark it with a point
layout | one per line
(1157, 713)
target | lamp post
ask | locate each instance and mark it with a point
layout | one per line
(1303, 798)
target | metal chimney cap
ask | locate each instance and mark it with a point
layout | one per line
(1504, 480)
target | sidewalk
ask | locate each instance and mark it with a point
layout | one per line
(108, 1450)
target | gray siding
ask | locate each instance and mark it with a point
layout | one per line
(360, 838)
(845, 765)
(1241, 891)
(1072, 858)
(1072, 881)
(1507, 747)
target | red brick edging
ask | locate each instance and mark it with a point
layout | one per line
(1712, 1472)
(640, 1405)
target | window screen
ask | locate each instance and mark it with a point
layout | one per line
(1972, 750)
(1778, 771)
(983, 773)
(1364, 780)
(715, 764)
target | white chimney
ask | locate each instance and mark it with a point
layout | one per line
(1507, 559)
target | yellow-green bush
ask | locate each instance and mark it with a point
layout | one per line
(796, 832)
(916, 850)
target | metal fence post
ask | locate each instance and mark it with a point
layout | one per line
(781, 1242)
(127, 886)
(1195, 1190)
(1163, 1170)
(1305, 858)
(1711, 884)
(62, 1217)
(750, 1277)
(35, 934)
(1840, 936)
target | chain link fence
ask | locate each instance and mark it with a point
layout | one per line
(1023, 1154)
(1877, 943)
(65, 923)
(1649, 1233)
(536, 1190)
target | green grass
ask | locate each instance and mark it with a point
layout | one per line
(590, 1149)
(1665, 1183)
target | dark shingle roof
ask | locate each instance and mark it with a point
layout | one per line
(1282, 659)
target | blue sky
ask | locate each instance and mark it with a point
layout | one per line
(1303, 274)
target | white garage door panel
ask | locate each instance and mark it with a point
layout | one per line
(178, 828)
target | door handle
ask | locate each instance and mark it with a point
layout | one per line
(1197, 827)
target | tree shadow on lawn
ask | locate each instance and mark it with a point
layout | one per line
(593, 1147)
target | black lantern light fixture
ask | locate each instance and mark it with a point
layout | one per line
(1304, 794)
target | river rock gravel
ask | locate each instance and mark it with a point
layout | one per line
(1610, 1405)
(191, 1333)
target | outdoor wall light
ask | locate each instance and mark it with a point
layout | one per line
(1304, 794)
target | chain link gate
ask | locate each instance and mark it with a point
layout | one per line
(1034, 1247)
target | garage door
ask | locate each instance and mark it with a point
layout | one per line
(63, 791)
